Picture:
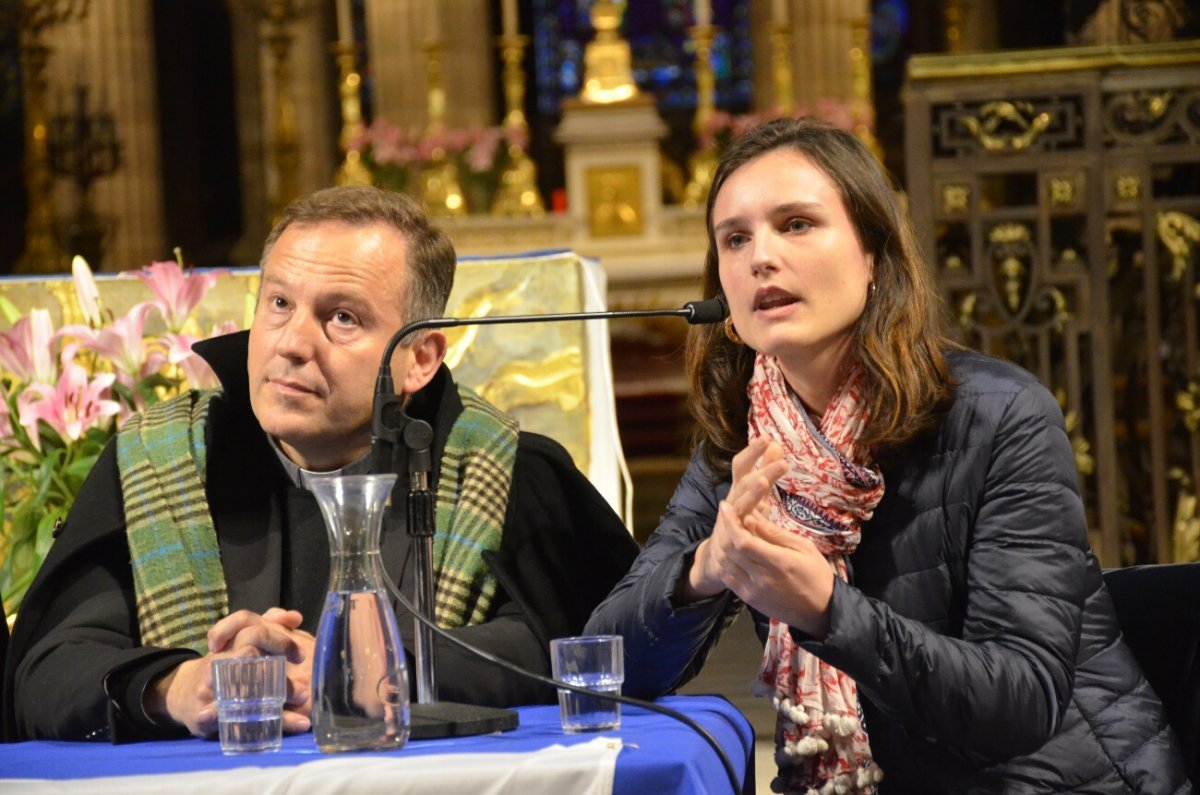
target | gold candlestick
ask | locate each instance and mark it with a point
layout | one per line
(517, 193)
(42, 253)
(285, 145)
(607, 60)
(440, 190)
(352, 171)
(954, 15)
(860, 71)
(435, 98)
(781, 67)
(703, 161)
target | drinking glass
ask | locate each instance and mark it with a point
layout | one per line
(596, 662)
(249, 693)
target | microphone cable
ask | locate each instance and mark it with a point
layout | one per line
(706, 311)
(554, 683)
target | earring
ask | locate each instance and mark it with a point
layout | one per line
(731, 332)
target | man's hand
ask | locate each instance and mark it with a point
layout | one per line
(185, 694)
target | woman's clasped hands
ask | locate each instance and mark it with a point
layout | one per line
(778, 573)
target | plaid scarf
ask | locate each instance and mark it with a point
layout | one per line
(829, 490)
(178, 579)
(177, 573)
(472, 499)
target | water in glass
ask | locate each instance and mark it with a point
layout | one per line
(581, 713)
(250, 726)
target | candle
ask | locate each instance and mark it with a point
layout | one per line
(779, 11)
(510, 17)
(345, 22)
(703, 13)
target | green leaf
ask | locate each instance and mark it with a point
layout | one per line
(17, 588)
(9, 310)
(76, 473)
(22, 526)
(45, 535)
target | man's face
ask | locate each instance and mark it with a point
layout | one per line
(330, 300)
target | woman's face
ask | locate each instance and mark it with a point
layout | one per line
(790, 263)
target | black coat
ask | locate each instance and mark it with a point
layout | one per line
(985, 648)
(77, 636)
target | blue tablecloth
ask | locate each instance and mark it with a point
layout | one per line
(659, 755)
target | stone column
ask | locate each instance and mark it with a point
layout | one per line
(111, 50)
(397, 60)
(471, 53)
(822, 35)
(396, 34)
(251, 132)
(315, 91)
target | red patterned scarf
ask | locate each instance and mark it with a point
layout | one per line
(829, 490)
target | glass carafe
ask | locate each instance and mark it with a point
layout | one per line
(359, 678)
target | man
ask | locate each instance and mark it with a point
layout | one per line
(194, 537)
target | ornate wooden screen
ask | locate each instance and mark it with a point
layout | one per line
(1057, 196)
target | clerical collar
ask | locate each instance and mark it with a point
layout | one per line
(300, 476)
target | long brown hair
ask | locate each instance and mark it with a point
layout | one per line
(898, 339)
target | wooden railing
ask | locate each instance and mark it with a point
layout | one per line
(1056, 194)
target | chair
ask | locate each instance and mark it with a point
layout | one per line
(1157, 611)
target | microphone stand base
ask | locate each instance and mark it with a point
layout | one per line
(450, 719)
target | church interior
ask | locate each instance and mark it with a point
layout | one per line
(1048, 152)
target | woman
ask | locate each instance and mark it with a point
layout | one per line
(901, 516)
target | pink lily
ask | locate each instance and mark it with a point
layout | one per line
(123, 343)
(71, 407)
(179, 352)
(85, 291)
(176, 291)
(6, 431)
(27, 349)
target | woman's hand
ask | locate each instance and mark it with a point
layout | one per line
(778, 573)
(755, 470)
(787, 579)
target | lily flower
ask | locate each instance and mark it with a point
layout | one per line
(6, 431)
(123, 343)
(195, 369)
(85, 291)
(72, 406)
(27, 349)
(176, 292)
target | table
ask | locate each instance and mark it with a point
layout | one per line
(651, 753)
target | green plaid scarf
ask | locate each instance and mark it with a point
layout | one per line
(179, 582)
(472, 499)
(177, 573)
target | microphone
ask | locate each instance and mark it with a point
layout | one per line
(387, 403)
(711, 310)
(390, 425)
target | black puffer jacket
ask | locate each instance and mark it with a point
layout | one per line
(977, 625)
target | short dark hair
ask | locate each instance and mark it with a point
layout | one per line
(898, 339)
(430, 254)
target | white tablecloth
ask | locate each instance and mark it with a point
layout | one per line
(582, 769)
